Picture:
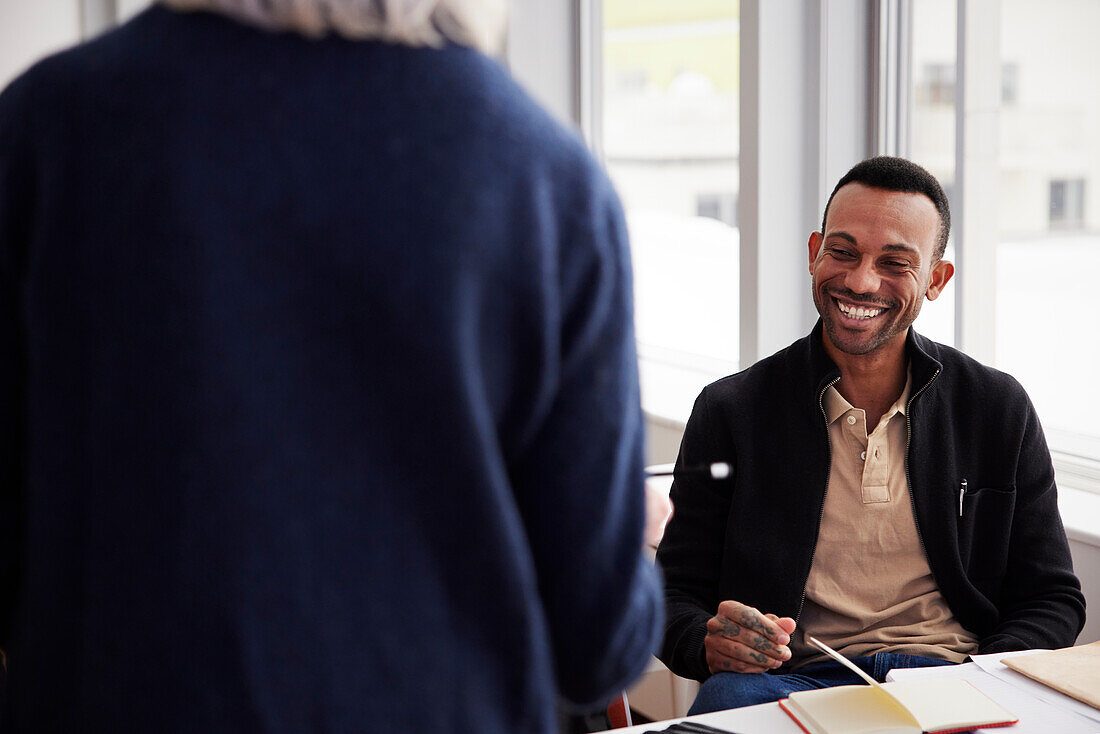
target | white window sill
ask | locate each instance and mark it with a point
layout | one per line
(1080, 514)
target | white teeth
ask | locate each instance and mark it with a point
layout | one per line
(858, 312)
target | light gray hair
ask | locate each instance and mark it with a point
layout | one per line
(479, 24)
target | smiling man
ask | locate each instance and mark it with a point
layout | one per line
(889, 495)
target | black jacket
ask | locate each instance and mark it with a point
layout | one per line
(1003, 567)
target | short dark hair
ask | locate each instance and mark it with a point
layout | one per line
(898, 174)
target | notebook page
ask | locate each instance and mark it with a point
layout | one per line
(943, 703)
(852, 710)
(1036, 715)
(841, 659)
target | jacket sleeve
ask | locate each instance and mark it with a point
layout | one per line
(690, 554)
(580, 479)
(15, 206)
(1041, 604)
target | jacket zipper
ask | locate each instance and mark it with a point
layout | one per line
(908, 439)
(821, 515)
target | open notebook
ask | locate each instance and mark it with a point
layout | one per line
(932, 705)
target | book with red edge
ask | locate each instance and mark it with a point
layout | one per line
(919, 706)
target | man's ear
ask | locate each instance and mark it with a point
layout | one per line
(814, 245)
(941, 273)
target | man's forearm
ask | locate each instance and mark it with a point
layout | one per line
(1047, 621)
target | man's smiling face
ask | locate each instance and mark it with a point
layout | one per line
(874, 265)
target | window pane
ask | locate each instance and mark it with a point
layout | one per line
(670, 139)
(1049, 213)
(933, 132)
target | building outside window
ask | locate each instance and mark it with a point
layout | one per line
(722, 207)
(936, 85)
(1067, 203)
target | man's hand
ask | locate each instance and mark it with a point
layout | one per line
(658, 509)
(742, 640)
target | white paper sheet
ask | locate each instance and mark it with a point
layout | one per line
(992, 665)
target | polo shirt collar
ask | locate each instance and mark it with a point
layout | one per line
(836, 406)
(923, 364)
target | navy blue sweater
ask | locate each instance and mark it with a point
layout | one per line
(1003, 567)
(318, 394)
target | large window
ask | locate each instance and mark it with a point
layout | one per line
(669, 112)
(1035, 172)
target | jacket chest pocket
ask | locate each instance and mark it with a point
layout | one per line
(984, 530)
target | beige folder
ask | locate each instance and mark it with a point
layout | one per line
(1075, 671)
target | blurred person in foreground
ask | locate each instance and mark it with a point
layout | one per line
(318, 394)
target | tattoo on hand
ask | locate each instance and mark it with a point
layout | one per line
(750, 620)
(729, 629)
(759, 657)
(764, 645)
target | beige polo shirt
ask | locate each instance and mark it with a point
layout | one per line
(870, 588)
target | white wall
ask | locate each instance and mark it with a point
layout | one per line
(542, 50)
(30, 29)
(129, 8)
(1086, 562)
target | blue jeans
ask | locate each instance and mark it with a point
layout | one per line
(732, 690)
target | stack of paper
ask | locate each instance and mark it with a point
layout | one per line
(1075, 671)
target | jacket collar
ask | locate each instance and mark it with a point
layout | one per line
(923, 355)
